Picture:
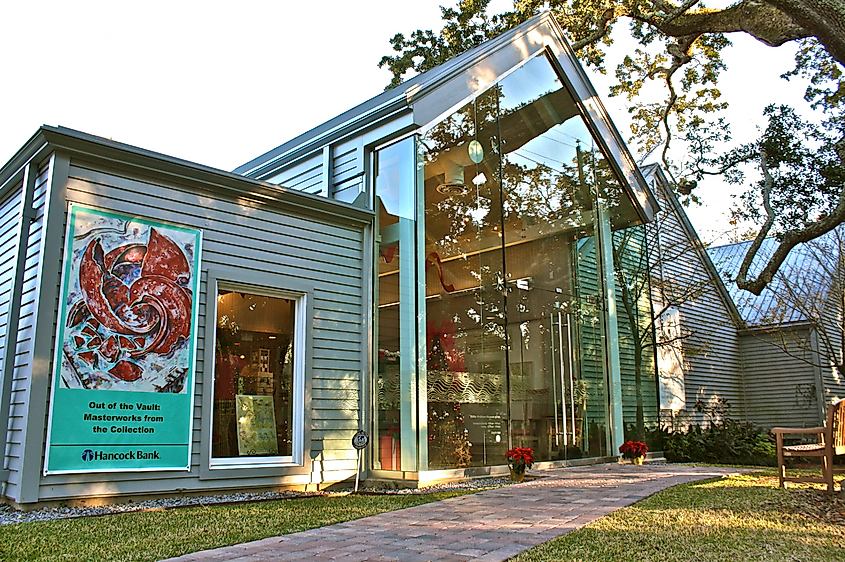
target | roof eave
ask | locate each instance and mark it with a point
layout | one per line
(426, 95)
(100, 150)
(36, 148)
(753, 329)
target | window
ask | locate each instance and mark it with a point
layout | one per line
(258, 377)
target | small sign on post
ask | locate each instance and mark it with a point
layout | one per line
(360, 441)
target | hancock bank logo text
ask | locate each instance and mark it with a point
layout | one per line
(89, 455)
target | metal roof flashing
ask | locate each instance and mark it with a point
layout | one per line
(431, 95)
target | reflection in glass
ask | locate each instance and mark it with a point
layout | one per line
(636, 336)
(396, 333)
(558, 373)
(466, 347)
(520, 235)
(253, 376)
(516, 191)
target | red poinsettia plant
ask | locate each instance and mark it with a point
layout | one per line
(633, 449)
(520, 458)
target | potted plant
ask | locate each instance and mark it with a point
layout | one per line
(634, 450)
(519, 458)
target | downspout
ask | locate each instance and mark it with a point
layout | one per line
(27, 214)
(818, 360)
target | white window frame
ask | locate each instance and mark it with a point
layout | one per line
(298, 420)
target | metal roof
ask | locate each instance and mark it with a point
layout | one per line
(799, 288)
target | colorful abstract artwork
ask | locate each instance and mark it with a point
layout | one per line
(129, 304)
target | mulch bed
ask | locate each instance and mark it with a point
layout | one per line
(812, 502)
(820, 505)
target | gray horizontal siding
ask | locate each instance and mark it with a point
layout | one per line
(830, 337)
(10, 225)
(314, 251)
(781, 386)
(10, 221)
(348, 170)
(25, 343)
(340, 175)
(711, 352)
(306, 175)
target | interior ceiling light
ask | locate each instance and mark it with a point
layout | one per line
(452, 189)
(451, 164)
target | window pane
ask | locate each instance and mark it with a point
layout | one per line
(636, 337)
(519, 259)
(395, 447)
(253, 376)
(465, 311)
(557, 378)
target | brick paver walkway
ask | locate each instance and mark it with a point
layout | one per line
(488, 526)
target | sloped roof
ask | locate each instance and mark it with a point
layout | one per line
(799, 288)
(426, 97)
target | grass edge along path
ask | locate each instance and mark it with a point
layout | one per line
(155, 535)
(743, 518)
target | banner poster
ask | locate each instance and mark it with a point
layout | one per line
(122, 392)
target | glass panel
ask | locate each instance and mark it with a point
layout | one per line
(558, 389)
(634, 376)
(636, 335)
(520, 207)
(394, 447)
(253, 376)
(635, 399)
(465, 335)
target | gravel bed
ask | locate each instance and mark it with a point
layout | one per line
(10, 515)
(468, 485)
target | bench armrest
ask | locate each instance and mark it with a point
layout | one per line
(777, 430)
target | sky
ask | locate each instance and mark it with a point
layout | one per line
(219, 83)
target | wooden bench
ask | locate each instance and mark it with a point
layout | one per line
(831, 442)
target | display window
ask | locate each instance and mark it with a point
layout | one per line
(257, 374)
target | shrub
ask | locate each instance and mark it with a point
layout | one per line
(721, 440)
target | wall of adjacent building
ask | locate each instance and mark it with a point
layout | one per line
(289, 247)
(18, 344)
(780, 377)
(832, 349)
(710, 353)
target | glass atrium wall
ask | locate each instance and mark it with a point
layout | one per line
(466, 328)
(636, 334)
(395, 447)
(525, 249)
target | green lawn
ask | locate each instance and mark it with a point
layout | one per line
(154, 535)
(739, 519)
